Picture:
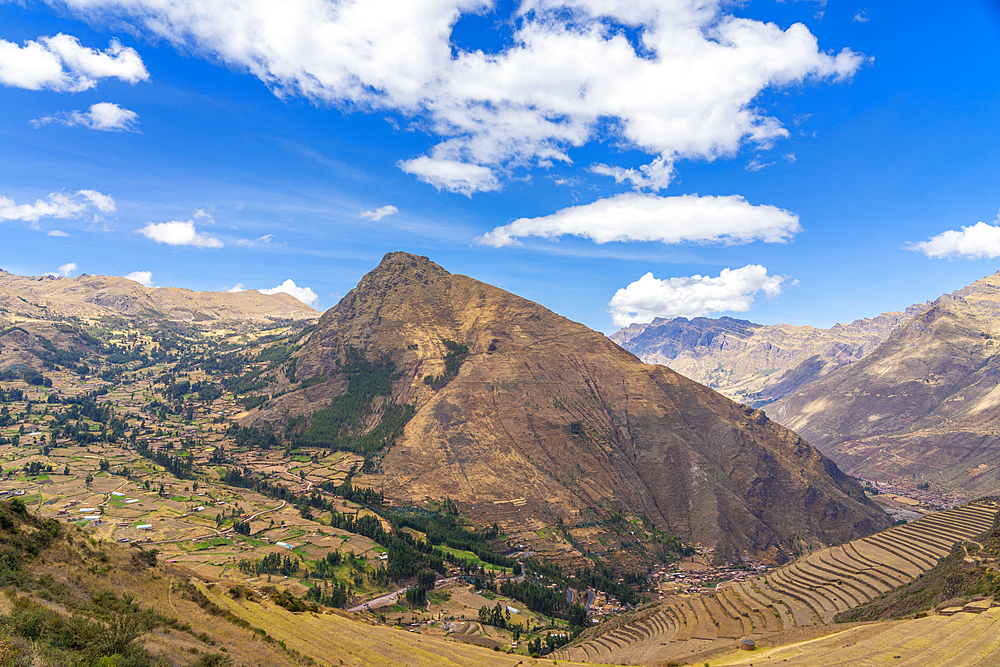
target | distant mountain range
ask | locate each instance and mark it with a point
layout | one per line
(525, 418)
(102, 296)
(755, 363)
(905, 395)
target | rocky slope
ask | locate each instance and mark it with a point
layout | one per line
(100, 296)
(547, 420)
(754, 363)
(925, 403)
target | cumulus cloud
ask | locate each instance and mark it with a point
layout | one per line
(56, 232)
(653, 176)
(978, 241)
(453, 175)
(684, 87)
(177, 232)
(861, 17)
(238, 287)
(732, 290)
(144, 278)
(380, 212)
(62, 64)
(57, 205)
(64, 270)
(303, 294)
(640, 217)
(103, 116)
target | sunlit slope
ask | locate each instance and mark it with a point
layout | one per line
(925, 403)
(963, 640)
(335, 639)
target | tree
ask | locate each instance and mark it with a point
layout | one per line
(88, 480)
(576, 615)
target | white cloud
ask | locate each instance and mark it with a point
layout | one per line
(177, 232)
(756, 164)
(104, 203)
(104, 116)
(380, 212)
(452, 175)
(640, 217)
(56, 232)
(144, 278)
(62, 64)
(63, 270)
(303, 294)
(57, 205)
(732, 290)
(861, 17)
(238, 287)
(653, 176)
(684, 88)
(979, 241)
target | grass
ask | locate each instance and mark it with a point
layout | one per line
(473, 558)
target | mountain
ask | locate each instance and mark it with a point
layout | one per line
(88, 296)
(523, 417)
(925, 403)
(752, 362)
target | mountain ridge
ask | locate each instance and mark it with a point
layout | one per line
(757, 363)
(925, 403)
(89, 296)
(546, 420)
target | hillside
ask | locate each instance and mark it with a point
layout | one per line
(85, 296)
(784, 606)
(524, 418)
(925, 403)
(754, 363)
(77, 602)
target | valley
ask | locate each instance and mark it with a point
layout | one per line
(465, 471)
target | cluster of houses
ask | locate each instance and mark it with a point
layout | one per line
(672, 580)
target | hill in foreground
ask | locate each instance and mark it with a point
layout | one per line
(456, 389)
(72, 601)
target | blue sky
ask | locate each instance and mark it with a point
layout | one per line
(802, 162)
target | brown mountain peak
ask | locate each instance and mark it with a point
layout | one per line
(540, 418)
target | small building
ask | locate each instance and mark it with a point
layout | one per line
(748, 644)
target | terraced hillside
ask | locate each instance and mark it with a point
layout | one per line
(808, 592)
(966, 639)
